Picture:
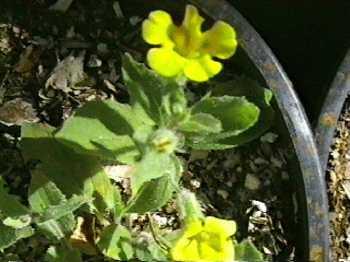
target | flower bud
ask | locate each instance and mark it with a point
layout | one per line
(164, 141)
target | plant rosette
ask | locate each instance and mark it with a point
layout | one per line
(79, 208)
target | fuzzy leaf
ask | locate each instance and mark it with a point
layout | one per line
(236, 115)
(14, 214)
(148, 250)
(202, 124)
(115, 242)
(246, 251)
(44, 194)
(162, 99)
(60, 254)
(157, 192)
(103, 129)
(55, 212)
(72, 173)
(153, 165)
(10, 236)
(255, 93)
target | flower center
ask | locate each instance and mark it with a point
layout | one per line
(186, 44)
(204, 236)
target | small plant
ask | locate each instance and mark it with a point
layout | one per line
(72, 197)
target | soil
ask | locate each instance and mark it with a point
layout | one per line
(338, 176)
(251, 184)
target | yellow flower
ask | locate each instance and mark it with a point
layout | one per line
(207, 241)
(186, 49)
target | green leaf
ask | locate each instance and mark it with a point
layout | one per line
(14, 214)
(158, 254)
(123, 149)
(161, 99)
(115, 242)
(201, 123)
(255, 93)
(142, 253)
(153, 165)
(18, 222)
(103, 129)
(44, 194)
(107, 196)
(55, 212)
(72, 173)
(61, 254)
(246, 251)
(157, 192)
(236, 115)
(148, 250)
(10, 236)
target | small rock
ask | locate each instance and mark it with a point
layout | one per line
(224, 194)
(70, 32)
(160, 220)
(134, 20)
(94, 61)
(260, 205)
(347, 169)
(276, 162)
(195, 183)
(267, 251)
(5, 45)
(252, 182)
(229, 183)
(346, 187)
(102, 48)
(269, 138)
(335, 154)
(260, 161)
(232, 161)
(253, 167)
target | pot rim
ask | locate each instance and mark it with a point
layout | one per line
(316, 201)
(331, 110)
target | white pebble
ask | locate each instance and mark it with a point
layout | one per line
(252, 182)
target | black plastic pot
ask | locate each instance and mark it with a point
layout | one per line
(331, 110)
(312, 196)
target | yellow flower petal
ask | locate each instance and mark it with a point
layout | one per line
(192, 21)
(220, 41)
(155, 29)
(188, 37)
(202, 69)
(165, 61)
(185, 250)
(225, 228)
(229, 251)
(193, 228)
(209, 253)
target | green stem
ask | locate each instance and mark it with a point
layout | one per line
(157, 238)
